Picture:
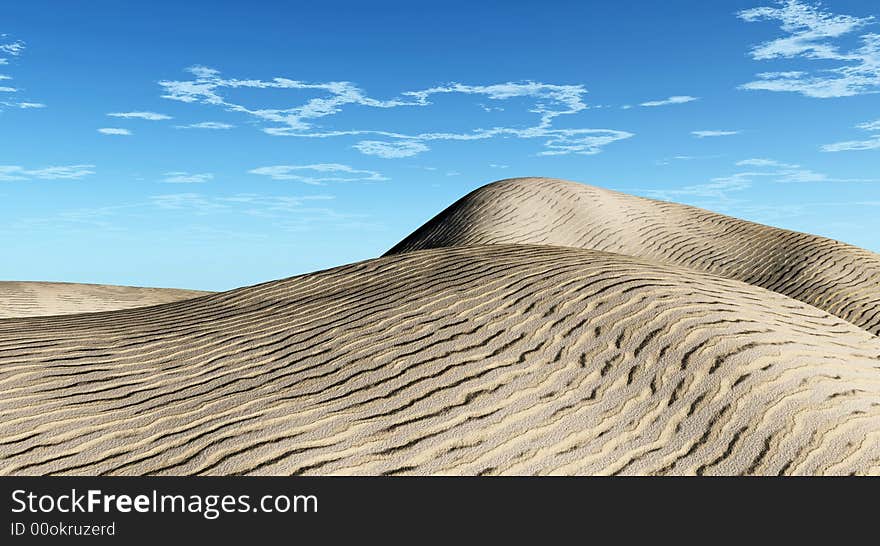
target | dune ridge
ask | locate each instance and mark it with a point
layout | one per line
(842, 279)
(33, 299)
(498, 359)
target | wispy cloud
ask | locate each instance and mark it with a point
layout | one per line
(149, 116)
(286, 213)
(709, 133)
(215, 125)
(278, 213)
(183, 177)
(551, 102)
(811, 34)
(9, 173)
(318, 174)
(676, 99)
(74, 219)
(871, 143)
(23, 105)
(13, 49)
(194, 201)
(869, 125)
(114, 131)
(762, 162)
(769, 170)
(390, 150)
(668, 160)
(27, 105)
(256, 204)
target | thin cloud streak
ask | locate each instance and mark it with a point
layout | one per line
(183, 177)
(709, 134)
(318, 174)
(676, 99)
(149, 116)
(11, 173)
(211, 125)
(114, 131)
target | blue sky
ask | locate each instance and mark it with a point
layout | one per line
(217, 144)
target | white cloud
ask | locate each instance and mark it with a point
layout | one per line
(787, 172)
(497, 166)
(551, 101)
(872, 143)
(22, 105)
(568, 98)
(14, 48)
(391, 150)
(182, 177)
(10, 173)
(705, 134)
(149, 116)
(761, 162)
(318, 174)
(810, 33)
(581, 141)
(206, 125)
(717, 188)
(114, 131)
(676, 99)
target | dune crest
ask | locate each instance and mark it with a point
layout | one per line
(842, 279)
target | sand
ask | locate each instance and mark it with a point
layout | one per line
(839, 278)
(461, 359)
(34, 299)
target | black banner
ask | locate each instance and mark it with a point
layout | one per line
(61, 510)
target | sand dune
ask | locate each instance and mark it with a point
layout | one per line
(501, 359)
(32, 299)
(841, 279)
(618, 335)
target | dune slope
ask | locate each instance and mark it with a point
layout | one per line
(33, 299)
(841, 279)
(475, 360)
